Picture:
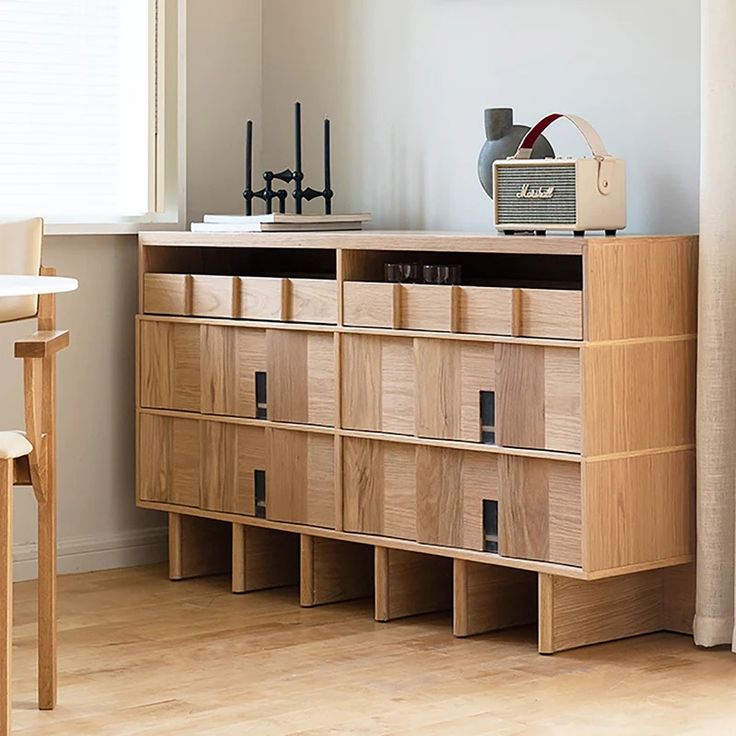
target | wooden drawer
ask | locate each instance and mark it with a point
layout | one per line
(301, 377)
(433, 495)
(451, 487)
(166, 293)
(213, 296)
(232, 358)
(485, 310)
(378, 383)
(232, 456)
(170, 366)
(379, 488)
(312, 300)
(426, 307)
(370, 304)
(450, 377)
(262, 298)
(168, 460)
(300, 477)
(551, 313)
(539, 509)
(538, 397)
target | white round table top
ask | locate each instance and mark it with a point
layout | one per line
(18, 285)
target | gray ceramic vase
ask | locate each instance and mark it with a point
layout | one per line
(502, 140)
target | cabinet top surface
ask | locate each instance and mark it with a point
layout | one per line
(393, 240)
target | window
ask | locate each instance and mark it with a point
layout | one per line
(79, 110)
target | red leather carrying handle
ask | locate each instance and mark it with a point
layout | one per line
(593, 139)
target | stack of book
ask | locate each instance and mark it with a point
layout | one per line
(278, 222)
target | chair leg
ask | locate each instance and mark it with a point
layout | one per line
(47, 601)
(6, 593)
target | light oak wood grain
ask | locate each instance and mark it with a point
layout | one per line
(638, 509)
(540, 510)
(378, 384)
(640, 395)
(334, 669)
(426, 307)
(409, 584)
(263, 558)
(312, 300)
(376, 240)
(167, 293)
(485, 310)
(538, 397)
(574, 614)
(197, 547)
(332, 571)
(169, 458)
(371, 304)
(215, 296)
(300, 477)
(230, 456)
(301, 377)
(262, 298)
(487, 598)
(6, 594)
(230, 359)
(641, 287)
(451, 486)
(379, 488)
(450, 377)
(170, 372)
(551, 313)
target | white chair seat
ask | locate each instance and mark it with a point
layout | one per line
(14, 444)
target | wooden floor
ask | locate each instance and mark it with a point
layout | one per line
(140, 655)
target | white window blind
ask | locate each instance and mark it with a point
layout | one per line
(74, 109)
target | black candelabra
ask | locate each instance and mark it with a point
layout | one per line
(300, 193)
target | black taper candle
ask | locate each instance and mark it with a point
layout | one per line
(328, 178)
(248, 167)
(298, 174)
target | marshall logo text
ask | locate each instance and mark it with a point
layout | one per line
(527, 192)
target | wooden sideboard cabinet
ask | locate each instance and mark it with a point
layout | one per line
(516, 447)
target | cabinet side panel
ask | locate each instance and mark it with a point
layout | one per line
(639, 509)
(639, 396)
(641, 287)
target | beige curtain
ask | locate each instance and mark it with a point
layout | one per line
(716, 419)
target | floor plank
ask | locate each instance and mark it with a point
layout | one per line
(141, 655)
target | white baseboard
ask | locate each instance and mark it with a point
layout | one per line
(86, 554)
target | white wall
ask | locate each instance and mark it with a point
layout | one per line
(99, 525)
(223, 90)
(406, 83)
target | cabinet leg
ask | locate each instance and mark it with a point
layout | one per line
(333, 571)
(410, 583)
(197, 547)
(263, 558)
(574, 613)
(488, 598)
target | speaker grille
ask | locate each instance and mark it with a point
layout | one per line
(560, 209)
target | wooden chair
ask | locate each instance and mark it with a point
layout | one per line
(29, 458)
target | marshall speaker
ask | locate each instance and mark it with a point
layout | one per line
(575, 194)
